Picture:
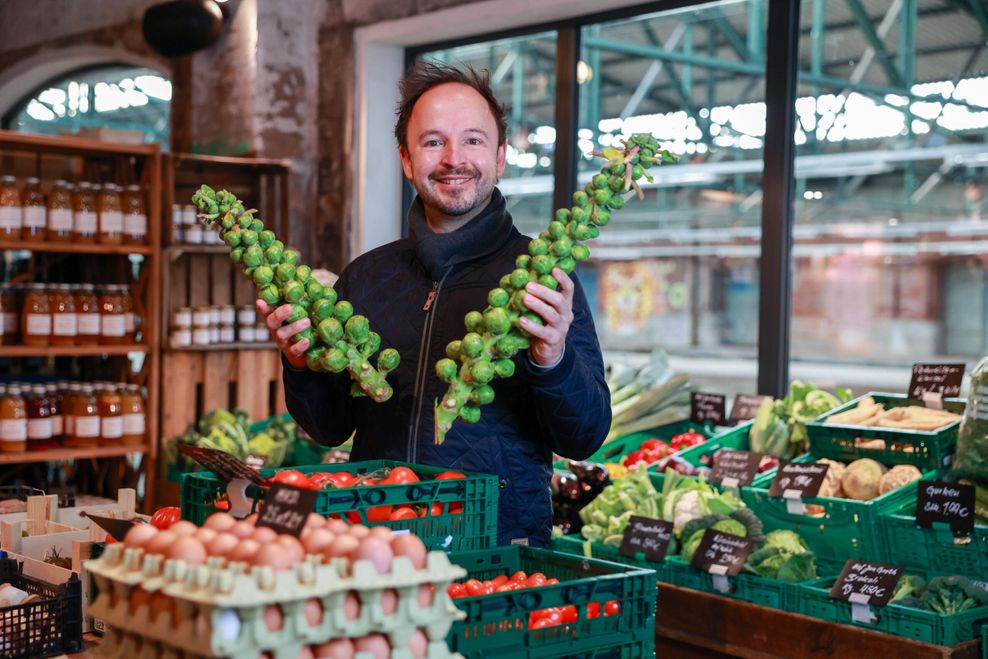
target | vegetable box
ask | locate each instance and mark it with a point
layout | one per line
(813, 599)
(473, 528)
(47, 627)
(934, 550)
(924, 449)
(618, 449)
(497, 625)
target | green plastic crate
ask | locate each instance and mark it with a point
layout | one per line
(497, 625)
(577, 545)
(813, 599)
(616, 450)
(926, 450)
(847, 529)
(932, 551)
(732, 438)
(474, 528)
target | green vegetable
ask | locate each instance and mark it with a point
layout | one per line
(784, 556)
(558, 246)
(971, 458)
(944, 595)
(779, 427)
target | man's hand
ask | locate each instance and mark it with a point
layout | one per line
(555, 308)
(273, 318)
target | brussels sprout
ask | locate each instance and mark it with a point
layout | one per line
(616, 202)
(519, 278)
(446, 370)
(537, 247)
(601, 217)
(581, 199)
(505, 283)
(580, 216)
(237, 254)
(518, 301)
(343, 311)
(357, 328)
(637, 172)
(330, 331)
(566, 264)
(292, 291)
(453, 349)
(289, 256)
(313, 289)
(482, 372)
(472, 344)
(248, 237)
(563, 215)
(298, 313)
(470, 414)
(303, 273)
(265, 239)
(483, 395)
(580, 231)
(504, 368)
(616, 184)
(523, 261)
(232, 238)
(371, 345)
(257, 226)
(321, 310)
(562, 246)
(249, 271)
(334, 360)
(557, 230)
(306, 334)
(542, 264)
(284, 273)
(549, 282)
(313, 358)
(601, 197)
(253, 256)
(388, 360)
(600, 181)
(580, 252)
(496, 321)
(269, 294)
(474, 321)
(273, 254)
(498, 297)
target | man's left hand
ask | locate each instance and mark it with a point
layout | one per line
(555, 308)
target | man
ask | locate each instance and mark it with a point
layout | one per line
(451, 135)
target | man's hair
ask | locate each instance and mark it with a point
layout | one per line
(425, 75)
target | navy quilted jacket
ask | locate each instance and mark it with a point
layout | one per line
(565, 409)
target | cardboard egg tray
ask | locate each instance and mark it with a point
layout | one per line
(217, 609)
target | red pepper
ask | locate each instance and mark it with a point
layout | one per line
(686, 440)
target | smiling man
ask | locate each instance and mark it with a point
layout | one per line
(451, 135)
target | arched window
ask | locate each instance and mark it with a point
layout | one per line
(124, 103)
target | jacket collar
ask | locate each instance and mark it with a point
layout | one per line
(482, 236)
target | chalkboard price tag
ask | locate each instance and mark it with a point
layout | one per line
(745, 408)
(798, 480)
(862, 582)
(942, 379)
(117, 528)
(647, 536)
(221, 463)
(950, 503)
(722, 554)
(735, 468)
(287, 508)
(707, 408)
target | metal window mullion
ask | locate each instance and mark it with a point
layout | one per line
(566, 115)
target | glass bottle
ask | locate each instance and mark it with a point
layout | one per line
(110, 415)
(134, 422)
(130, 318)
(9, 316)
(36, 317)
(69, 401)
(64, 322)
(10, 209)
(88, 314)
(135, 220)
(38, 419)
(60, 213)
(86, 420)
(33, 211)
(113, 324)
(13, 422)
(57, 417)
(108, 205)
(84, 217)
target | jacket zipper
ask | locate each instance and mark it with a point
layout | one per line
(422, 371)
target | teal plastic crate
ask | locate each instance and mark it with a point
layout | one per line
(813, 599)
(732, 438)
(932, 551)
(474, 528)
(926, 450)
(616, 450)
(497, 625)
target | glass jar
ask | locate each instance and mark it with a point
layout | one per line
(86, 420)
(9, 316)
(113, 323)
(87, 314)
(10, 209)
(182, 317)
(130, 318)
(57, 417)
(33, 211)
(64, 322)
(60, 213)
(84, 217)
(176, 224)
(201, 335)
(13, 421)
(193, 234)
(110, 415)
(134, 421)
(110, 209)
(201, 316)
(135, 216)
(69, 399)
(36, 317)
(38, 419)
(227, 334)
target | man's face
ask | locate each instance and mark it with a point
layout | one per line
(452, 155)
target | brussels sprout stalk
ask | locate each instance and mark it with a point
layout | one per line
(495, 335)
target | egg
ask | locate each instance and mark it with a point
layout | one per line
(292, 546)
(206, 536)
(220, 522)
(273, 556)
(242, 529)
(183, 527)
(344, 546)
(337, 526)
(160, 543)
(313, 611)
(341, 648)
(252, 518)
(317, 540)
(359, 531)
(264, 534)
(376, 551)
(315, 520)
(425, 595)
(305, 653)
(245, 551)
(139, 535)
(382, 532)
(274, 619)
(222, 545)
(351, 606)
(376, 644)
(418, 644)
(389, 601)
(189, 549)
(410, 546)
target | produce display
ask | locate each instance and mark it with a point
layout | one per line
(339, 339)
(910, 417)
(655, 450)
(946, 595)
(864, 479)
(779, 428)
(494, 336)
(971, 464)
(647, 397)
(574, 489)
(275, 443)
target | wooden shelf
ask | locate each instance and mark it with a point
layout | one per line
(265, 345)
(70, 454)
(70, 145)
(74, 248)
(70, 351)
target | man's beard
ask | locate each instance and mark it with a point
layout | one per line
(474, 192)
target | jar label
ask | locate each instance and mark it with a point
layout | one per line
(60, 219)
(136, 224)
(84, 222)
(34, 217)
(200, 336)
(193, 234)
(39, 428)
(89, 324)
(133, 424)
(87, 426)
(226, 335)
(65, 324)
(13, 430)
(69, 425)
(111, 222)
(9, 322)
(112, 427)
(130, 322)
(39, 324)
(113, 324)
(57, 425)
(10, 218)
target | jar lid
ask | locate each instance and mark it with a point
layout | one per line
(36, 286)
(133, 187)
(32, 180)
(7, 178)
(14, 390)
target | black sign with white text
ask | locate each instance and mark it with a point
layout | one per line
(287, 508)
(943, 379)
(706, 408)
(951, 503)
(647, 536)
(862, 582)
(745, 407)
(798, 480)
(722, 553)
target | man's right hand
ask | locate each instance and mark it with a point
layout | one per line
(283, 334)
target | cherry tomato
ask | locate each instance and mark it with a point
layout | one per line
(651, 444)
(474, 587)
(456, 508)
(222, 504)
(400, 476)
(344, 479)
(593, 610)
(500, 580)
(551, 582)
(402, 512)
(507, 587)
(353, 517)
(455, 590)
(379, 514)
(449, 475)
(537, 579)
(291, 477)
(569, 614)
(519, 576)
(163, 518)
(436, 509)
(612, 608)
(553, 617)
(322, 481)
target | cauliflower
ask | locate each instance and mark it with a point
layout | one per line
(687, 508)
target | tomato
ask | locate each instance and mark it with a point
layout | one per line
(379, 514)
(651, 444)
(456, 508)
(686, 440)
(634, 458)
(541, 623)
(436, 509)
(402, 512)
(507, 587)
(344, 479)
(353, 517)
(519, 576)
(163, 518)
(551, 582)
(449, 475)
(489, 588)
(322, 481)
(537, 579)
(570, 614)
(222, 504)
(400, 476)
(499, 580)
(553, 617)
(612, 608)
(455, 590)
(110, 540)
(474, 587)
(593, 610)
(292, 477)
